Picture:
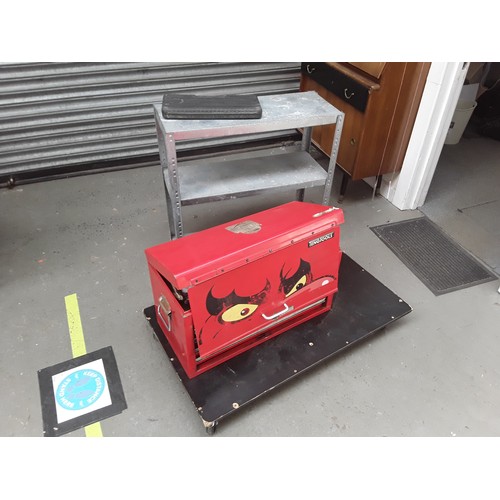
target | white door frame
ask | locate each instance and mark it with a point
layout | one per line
(408, 189)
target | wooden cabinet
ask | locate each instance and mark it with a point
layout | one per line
(380, 101)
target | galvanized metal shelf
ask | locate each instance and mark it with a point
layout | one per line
(188, 183)
(246, 177)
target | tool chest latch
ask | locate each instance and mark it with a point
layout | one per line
(165, 311)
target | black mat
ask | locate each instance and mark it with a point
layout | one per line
(439, 262)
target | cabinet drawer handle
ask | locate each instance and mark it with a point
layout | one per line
(353, 142)
(309, 69)
(348, 96)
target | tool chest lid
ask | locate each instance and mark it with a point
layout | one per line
(194, 258)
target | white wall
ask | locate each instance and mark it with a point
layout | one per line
(408, 188)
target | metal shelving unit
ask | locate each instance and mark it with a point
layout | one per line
(201, 181)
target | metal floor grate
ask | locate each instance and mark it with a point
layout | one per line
(438, 261)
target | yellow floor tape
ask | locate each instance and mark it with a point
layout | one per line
(78, 347)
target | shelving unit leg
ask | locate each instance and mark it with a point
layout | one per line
(333, 159)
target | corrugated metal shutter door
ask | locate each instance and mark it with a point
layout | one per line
(55, 115)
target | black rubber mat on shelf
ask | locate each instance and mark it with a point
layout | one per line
(438, 261)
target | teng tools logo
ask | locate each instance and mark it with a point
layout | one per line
(321, 239)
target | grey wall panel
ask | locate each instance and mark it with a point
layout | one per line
(61, 114)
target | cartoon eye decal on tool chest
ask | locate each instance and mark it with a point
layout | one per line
(233, 308)
(227, 312)
(291, 283)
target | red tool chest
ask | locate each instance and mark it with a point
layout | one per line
(223, 290)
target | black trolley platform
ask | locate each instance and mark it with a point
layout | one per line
(363, 306)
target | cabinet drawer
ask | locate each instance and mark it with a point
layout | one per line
(344, 87)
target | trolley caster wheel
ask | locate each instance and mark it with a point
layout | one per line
(210, 428)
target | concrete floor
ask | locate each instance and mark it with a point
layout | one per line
(464, 197)
(434, 372)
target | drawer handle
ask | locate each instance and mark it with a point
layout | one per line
(278, 314)
(309, 69)
(348, 96)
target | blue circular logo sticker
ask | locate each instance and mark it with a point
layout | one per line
(80, 389)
